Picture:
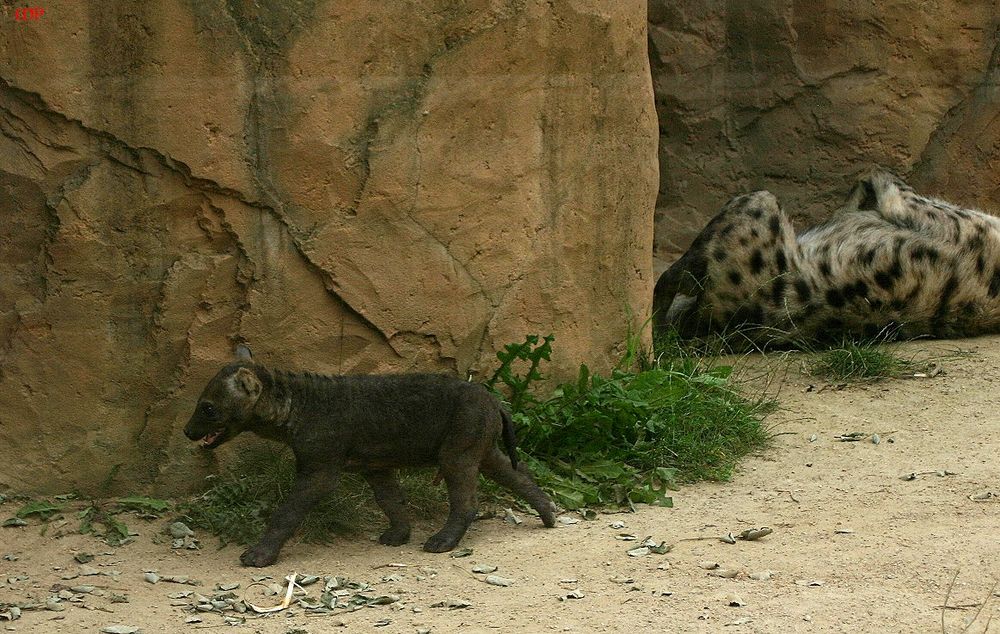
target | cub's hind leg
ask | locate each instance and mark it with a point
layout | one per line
(461, 475)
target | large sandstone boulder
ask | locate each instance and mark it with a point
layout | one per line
(355, 186)
(801, 96)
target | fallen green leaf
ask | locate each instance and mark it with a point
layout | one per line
(42, 508)
(144, 504)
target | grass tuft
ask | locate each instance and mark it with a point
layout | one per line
(859, 361)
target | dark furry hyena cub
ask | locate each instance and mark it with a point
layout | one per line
(370, 425)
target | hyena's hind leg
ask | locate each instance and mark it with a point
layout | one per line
(740, 271)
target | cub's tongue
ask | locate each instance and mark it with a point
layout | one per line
(209, 439)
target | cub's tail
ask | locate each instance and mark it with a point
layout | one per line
(509, 441)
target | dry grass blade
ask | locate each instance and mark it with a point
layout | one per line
(947, 597)
(981, 607)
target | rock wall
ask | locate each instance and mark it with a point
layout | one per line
(800, 96)
(348, 186)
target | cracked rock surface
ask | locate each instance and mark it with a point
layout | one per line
(350, 187)
(801, 96)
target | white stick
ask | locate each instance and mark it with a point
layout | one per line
(284, 603)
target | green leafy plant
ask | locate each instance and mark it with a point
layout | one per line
(96, 518)
(102, 523)
(629, 437)
(531, 352)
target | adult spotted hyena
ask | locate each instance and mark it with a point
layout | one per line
(889, 262)
(370, 425)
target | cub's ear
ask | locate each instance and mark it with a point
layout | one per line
(245, 383)
(243, 352)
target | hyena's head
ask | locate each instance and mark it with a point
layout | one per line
(225, 405)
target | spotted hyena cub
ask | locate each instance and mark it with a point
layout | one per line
(889, 263)
(370, 425)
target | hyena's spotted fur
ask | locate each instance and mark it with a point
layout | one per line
(889, 262)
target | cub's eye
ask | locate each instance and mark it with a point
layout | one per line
(208, 409)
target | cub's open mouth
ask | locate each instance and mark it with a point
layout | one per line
(213, 439)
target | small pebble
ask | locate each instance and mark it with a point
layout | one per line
(180, 530)
(495, 580)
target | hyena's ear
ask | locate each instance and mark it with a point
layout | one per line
(878, 190)
(863, 196)
(243, 352)
(245, 383)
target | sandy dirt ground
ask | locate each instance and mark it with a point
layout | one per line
(855, 547)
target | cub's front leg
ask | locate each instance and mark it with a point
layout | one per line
(308, 490)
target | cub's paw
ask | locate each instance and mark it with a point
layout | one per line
(441, 542)
(258, 557)
(395, 536)
(548, 515)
